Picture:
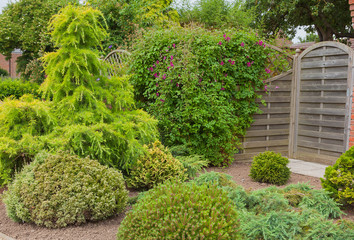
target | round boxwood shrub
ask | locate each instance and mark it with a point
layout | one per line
(156, 166)
(62, 189)
(270, 167)
(181, 211)
(339, 178)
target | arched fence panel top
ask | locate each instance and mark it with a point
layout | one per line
(332, 48)
(118, 61)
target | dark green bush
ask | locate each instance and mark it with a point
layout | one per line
(16, 88)
(59, 190)
(339, 178)
(270, 167)
(193, 164)
(181, 211)
(216, 178)
(201, 85)
(4, 73)
(155, 167)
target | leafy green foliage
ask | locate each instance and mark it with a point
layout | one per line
(181, 211)
(215, 178)
(328, 18)
(16, 88)
(339, 178)
(23, 25)
(202, 93)
(59, 190)
(34, 71)
(4, 73)
(216, 13)
(155, 167)
(270, 167)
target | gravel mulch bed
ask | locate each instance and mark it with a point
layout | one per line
(107, 230)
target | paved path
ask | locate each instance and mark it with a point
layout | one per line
(307, 168)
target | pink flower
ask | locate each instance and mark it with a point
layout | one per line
(228, 39)
(177, 84)
(224, 35)
(173, 45)
(222, 63)
(249, 64)
(276, 87)
(166, 50)
(247, 56)
(200, 80)
(151, 69)
(157, 62)
(164, 77)
(222, 89)
(267, 70)
(171, 57)
(168, 68)
(220, 43)
(229, 60)
(156, 76)
(242, 44)
(157, 94)
(162, 100)
(171, 63)
(233, 62)
(265, 88)
(252, 62)
(157, 84)
(225, 75)
(260, 43)
(164, 58)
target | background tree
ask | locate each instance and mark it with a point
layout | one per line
(215, 13)
(329, 18)
(23, 25)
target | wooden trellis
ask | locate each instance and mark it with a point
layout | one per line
(117, 61)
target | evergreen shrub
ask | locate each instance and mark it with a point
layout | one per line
(270, 167)
(339, 178)
(16, 88)
(201, 85)
(215, 178)
(4, 73)
(63, 189)
(181, 211)
(155, 167)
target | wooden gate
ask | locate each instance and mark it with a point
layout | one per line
(308, 116)
(321, 102)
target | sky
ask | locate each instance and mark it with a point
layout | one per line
(300, 32)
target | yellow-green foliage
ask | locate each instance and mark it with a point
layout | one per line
(58, 190)
(181, 211)
(156, 166)
(339, 178)
(270, 167)
(26, 115)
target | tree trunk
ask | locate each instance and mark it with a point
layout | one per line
(325, 34)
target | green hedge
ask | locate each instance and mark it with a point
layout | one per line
(17, 88)
(201, 85)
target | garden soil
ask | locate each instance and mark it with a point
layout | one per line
(106, 230)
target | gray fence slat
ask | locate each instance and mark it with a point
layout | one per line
(325, 52)
(271, 121)
(260, 133)
(274, 99)
(325, 111)
(328, 135)
(275, 110)
(337, 124)
(324, 146)
(331, 87)
(269, 143)
(328, 63)
(335, 75)
(323, 99)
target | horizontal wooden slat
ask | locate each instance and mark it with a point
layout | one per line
(335, 75)
(328, 135)
(338, 124)
(270, 143)
(271, 121)
(328, 87)
(274, 99)
(323, 159)
(249, 155)
(323, 99)
(275, 110)
(260, 133)
(324, 146)
(328, 63)
(325, 52)
(325, 111)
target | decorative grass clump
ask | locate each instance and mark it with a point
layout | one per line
(181, 211)
(270, 167)
(60, 190)
(156, 166)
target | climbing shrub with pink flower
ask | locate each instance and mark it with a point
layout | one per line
(201, 85)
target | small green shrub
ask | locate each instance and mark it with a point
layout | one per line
(270, 167)
(154, 167)
(34, 71)
(181, 211)
(339, 178)
(294, 193)
(16, 88)
(59, 190)
(4, 73)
